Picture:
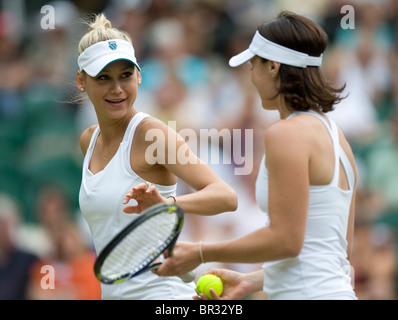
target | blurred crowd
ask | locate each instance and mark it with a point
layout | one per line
(183, 47)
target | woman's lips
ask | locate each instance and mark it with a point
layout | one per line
(115, 102)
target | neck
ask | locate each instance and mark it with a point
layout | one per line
(284, 109)
(112, 130)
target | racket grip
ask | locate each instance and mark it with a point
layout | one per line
(188, 277)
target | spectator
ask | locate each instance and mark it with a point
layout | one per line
(72, 264)
(15, 263)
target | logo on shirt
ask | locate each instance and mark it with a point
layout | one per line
(112, 45)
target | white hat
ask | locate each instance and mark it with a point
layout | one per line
(96, 57)
(269, 50)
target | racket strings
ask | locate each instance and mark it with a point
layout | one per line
(145, 243)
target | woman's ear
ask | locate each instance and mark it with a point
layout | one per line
(80, 81)
(139, 78)
(274, 68)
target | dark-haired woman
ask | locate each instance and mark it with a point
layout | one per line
(306, 182)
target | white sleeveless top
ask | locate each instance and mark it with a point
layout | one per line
(321, 270)
(100, 198)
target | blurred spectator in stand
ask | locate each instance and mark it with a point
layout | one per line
(12, 85)
(374, 262)
(72, 264)
(330, 20)
(61, 244)
(132, 17)
(313, 10)
(49, 51)
(50, 154)
(171, 67)
(52, 210)
(15, 263)
(359, 58)
(382, 160)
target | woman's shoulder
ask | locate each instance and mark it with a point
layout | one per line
(287, 136)
(85, 138)
(150, 122)
(301, 126)
(150, 127)
(284, 129)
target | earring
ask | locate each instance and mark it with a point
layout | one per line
(139, 81)
(272, 76)
(81, 89)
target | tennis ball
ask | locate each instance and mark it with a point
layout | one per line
(208, 281)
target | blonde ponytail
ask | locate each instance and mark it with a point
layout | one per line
(100, 29)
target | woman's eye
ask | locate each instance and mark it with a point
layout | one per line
(126, 74)
(103, 77)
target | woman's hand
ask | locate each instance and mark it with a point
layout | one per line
(236, 286)
(185, 258)
(146, 196)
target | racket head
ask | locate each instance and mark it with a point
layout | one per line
(109, 270)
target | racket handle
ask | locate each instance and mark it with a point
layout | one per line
(188, 277)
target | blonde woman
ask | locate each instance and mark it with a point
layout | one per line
(116, 167)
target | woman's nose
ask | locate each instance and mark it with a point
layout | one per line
(116, 88)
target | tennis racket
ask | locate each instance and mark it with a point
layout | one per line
(134, 249)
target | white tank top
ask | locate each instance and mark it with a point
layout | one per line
(321, 270)
(100, 198)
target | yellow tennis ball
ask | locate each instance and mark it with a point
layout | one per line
(208, 281)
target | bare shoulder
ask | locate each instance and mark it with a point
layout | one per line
(151, 126)
(151, 132)
(149, 123)
(288, 146)
(285, 135)
(85, 138)
(281, 127)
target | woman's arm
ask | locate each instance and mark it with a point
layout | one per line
(170, 154)
(287, 159)
(350, 228)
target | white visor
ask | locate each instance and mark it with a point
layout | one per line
(269, 50)
(96, 57)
